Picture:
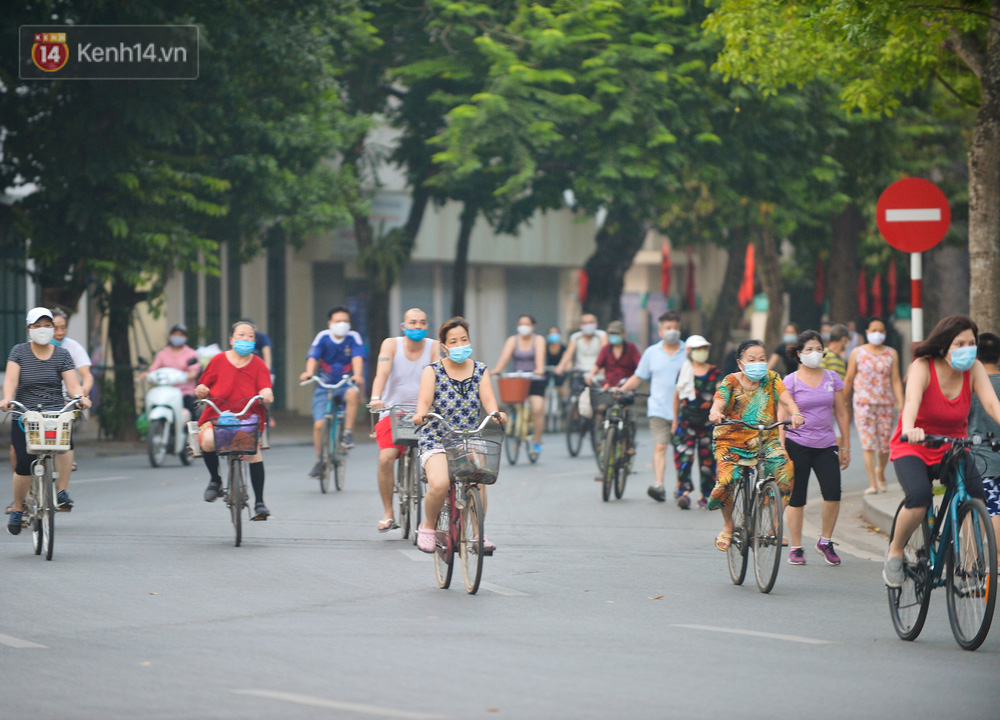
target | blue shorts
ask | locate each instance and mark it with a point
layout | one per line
(991, 486)
(319, 400)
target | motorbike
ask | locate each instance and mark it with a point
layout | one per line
(167, 416)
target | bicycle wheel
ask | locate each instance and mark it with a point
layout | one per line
(156, 441)
(471, 540)
(33, 509)
(403, 493)
(235, 497)
(512, 442)
(767, 535)
(908, 603)
(417, 494)
(574, 423)
(972, 575)
(736, 555)
(339, 458)
(325, 457)
(621, 459)
(444, 551)
(609, 468)
(48, 513)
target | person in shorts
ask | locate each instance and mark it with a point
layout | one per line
(980, 423)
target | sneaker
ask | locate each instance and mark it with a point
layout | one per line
(537, 449)
(317, 469)
(796, 556)
(829, 554)
(348, 442)
(63, 501)
(684, 502)
(260, 512)
(657, 493)
(703, 503)
(14, 522)
(213, 490)
(892, 572)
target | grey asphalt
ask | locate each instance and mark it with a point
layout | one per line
(592, 610)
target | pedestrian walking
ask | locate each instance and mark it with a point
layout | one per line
(780, 357)
(980, 423)
(692, 432)
(835, 353)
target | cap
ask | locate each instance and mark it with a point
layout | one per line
(179, 327)
(36, 314)
(617, 327)
(696, 341)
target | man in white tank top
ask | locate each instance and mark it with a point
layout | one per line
(401, 362)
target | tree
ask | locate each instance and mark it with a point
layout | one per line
(878, 52)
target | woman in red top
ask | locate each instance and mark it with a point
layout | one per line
(939, 390)
(231, 379)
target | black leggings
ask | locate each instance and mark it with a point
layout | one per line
(825, 462)
(23, 460)
(916, 477)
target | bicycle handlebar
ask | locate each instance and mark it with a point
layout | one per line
(456, 431)
(241, 413)
(521, 374)
(315, 379)
(759, 427)
(70, 405)
(974, 441)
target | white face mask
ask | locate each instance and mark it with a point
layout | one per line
(42, 335)
(811, 359)
(525, 330)
(700, 355)
(340, 329)
(588, 329)
(876, 338)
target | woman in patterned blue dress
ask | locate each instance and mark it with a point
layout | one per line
(458, 389)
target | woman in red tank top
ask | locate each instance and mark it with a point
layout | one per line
(939, 388)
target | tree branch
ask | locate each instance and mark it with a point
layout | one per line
(966, 51)
(953, 91)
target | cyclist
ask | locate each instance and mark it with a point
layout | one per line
(751, 395)
(401, 361)
(232, 378)
(527, 349)
(36, 371)
(81, 359)
(660, 364)
(554, 350)
(618, 359)
(981, 424)
(336, 352)
(939, 388)
(696, 385)
(178, 355)
(458, 389)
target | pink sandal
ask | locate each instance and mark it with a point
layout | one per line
(426, 540)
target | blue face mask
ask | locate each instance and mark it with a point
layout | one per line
(53, 341)
(755, 371)
(244, 347)
(460, 354)
(553, 338)
(415, 334)
(789, 338)
(615, 339)
(963, 358)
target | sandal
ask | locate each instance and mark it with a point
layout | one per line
(871, 491)
(387, 524)
(723, 541)
(426, 540)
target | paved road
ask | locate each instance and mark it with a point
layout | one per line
(590, 610)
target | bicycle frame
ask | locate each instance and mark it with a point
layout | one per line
(943, 523)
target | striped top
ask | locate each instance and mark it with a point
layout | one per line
(41, 381)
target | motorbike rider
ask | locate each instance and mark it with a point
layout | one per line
(178, 355)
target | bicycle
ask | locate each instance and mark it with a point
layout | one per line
(576, 425)
(617, 447)
(553, 404)
(473, 460)
(514, 388)
(958, 537)
(236, 441)
(757, 518)
(408, 488)
(46, 434)
(333, 454)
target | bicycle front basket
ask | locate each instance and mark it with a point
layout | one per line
(235, 435)
(474, 458)
(404, 432)
(49, 432)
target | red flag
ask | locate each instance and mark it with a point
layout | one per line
(891, 279)
(691, 298)
(746, 287)
(582, 294)
(820, 293)
(877, 295)
(862, 293)
(665, 268)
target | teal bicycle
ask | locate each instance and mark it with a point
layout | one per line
(333, 454)
(955, 548)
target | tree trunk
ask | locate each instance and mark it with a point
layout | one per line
(842, 267)
(460, 271)
(769, 267)
(120, 307)
(618, 241)
(726, 314)
(984, 191)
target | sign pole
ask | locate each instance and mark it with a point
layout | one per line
(916, 293)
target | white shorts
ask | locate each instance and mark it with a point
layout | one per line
(429, 453)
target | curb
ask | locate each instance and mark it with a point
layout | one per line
(879, 510)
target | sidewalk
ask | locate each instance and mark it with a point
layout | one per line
(879, 510)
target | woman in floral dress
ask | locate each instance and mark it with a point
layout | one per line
(696, 386)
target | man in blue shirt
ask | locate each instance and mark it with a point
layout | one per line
(334, 354)
(660, 365)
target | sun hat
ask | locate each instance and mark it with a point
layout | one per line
(696, 341)
(36, 314)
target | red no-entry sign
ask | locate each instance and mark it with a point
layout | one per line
(913, 215)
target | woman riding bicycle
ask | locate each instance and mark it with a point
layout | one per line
(939, 387)
(232, 378)
(458, 389)
(527, 349)
(36, 371)
(751, 395)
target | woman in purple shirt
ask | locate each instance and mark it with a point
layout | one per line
(814, 447)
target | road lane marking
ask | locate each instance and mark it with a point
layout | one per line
(417, 555)
(756, 633)
(501, 590)
(913, 215)
(337, 705)
(11, 641)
